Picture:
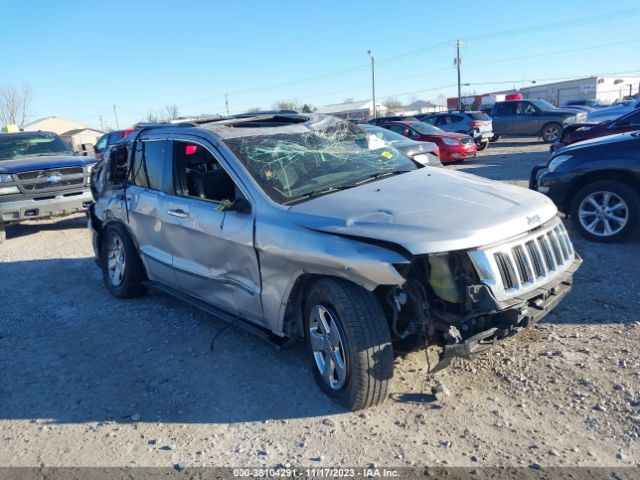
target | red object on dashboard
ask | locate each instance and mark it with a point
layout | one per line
(190, 149)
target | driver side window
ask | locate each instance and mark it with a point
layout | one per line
(198, 174)
(631, 120)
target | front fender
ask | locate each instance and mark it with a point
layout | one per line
(305, 252)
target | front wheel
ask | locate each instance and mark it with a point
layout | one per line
(605, 211)
(349, 343)
(551, 133)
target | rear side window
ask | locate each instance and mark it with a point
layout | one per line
(507, 108)
(479, 116)
(148, 164)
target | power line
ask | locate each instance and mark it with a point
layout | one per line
(442, 45)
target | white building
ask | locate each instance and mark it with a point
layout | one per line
(418, 107)
(353, 110)
(82, 140)
(604, 89)
(57, 125)
(75, 133)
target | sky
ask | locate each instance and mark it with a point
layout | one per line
(80, 58)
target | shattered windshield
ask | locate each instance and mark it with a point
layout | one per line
(295, 166)
(40, 144)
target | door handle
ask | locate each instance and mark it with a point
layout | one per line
(178, 213)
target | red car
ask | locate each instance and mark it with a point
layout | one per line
(586, 131)
(453, 147)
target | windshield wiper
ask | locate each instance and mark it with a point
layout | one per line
(324, 191)
(317, 193)
(377, 175)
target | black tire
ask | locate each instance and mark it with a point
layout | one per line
(495, 138)
(596, 192)
(365, 344)
(130, 284)
(3, 233)
(482, 145)
(551, 132)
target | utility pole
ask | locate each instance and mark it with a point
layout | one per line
(226, 103)
(115, 113)
(101, 124)
(373, 84)
(457, 61)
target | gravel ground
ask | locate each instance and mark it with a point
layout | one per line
(88, 380)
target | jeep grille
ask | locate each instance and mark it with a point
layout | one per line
(519, 266)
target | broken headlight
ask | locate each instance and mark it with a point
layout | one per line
(442, 280)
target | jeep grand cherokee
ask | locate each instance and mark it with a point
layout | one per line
(303, 227)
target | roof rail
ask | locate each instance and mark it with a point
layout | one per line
(145, 125)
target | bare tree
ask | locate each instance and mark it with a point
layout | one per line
(14, 104)
(392, 104)
(153, 116)
(172, 111)
(287, 105)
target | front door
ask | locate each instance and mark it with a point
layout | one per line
(214, 258)
(529, 119)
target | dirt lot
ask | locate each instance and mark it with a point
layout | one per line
(89, 380)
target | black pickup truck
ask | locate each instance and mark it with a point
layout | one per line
(40, 177)
(532, 117)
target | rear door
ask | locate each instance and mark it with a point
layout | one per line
(212, 247)
(504, 118)
(146, 199)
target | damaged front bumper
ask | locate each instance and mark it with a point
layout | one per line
(513, 319)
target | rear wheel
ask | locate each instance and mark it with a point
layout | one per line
(551, 132)
(122, 269)
(348, 343)
(605, 211)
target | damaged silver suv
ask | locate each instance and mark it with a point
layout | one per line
(307, 227)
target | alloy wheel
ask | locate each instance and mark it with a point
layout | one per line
(603, 213)
(116, 260)
(552, 133)
(328, 346)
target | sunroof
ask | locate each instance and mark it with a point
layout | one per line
(262, 121)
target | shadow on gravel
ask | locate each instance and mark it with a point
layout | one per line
(24, 229)
(69, 353)
(531, 141)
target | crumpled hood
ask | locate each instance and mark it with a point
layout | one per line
(428, 210)
(26, 164)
